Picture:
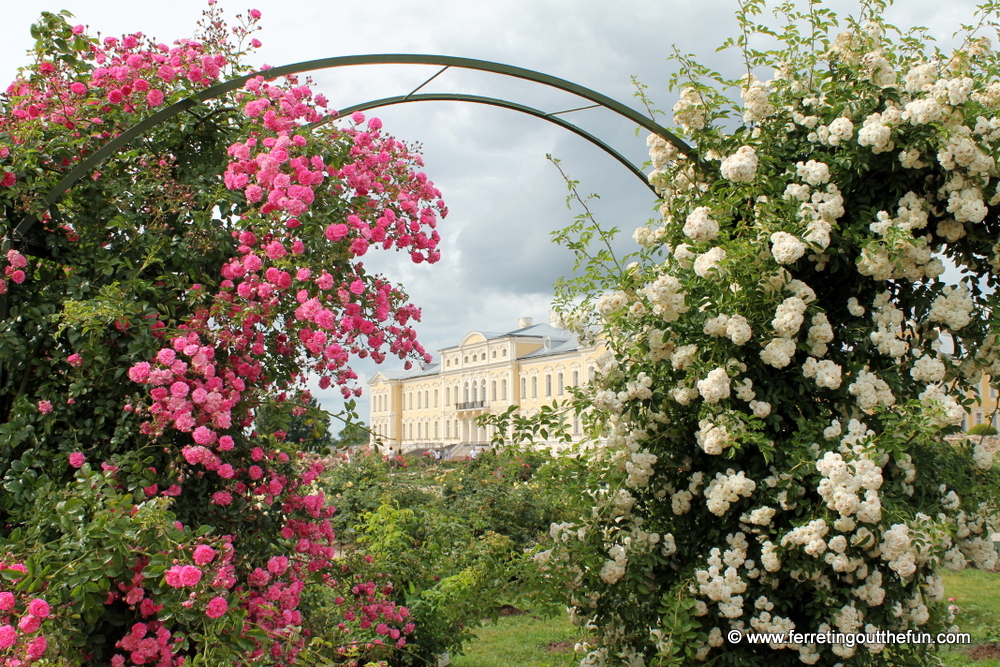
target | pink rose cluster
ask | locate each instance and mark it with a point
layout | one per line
(371, 607)
(20, 624)
(190, 393)
(16, 263)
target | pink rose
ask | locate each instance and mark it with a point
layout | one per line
(222, 498)
(77, 459)
(29, 623)
(37, 648)
(139, 372)
(8, 636)
(216, 608)
(74, 360)
(39, 608)
(45, 407)
(203, 554)
(6, 601)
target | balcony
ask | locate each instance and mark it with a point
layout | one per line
(470, 405)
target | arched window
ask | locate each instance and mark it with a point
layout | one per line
(447, 395)
(475, 391)
(503, 390)
(559, 384)
(411, 401)
(534, 386)
(466, 359)
(447, 429)
(427, 398)
(466, 392)
(411, 431)
(482, 393)
(473, 358)
(435, 398)
(435, 430)
(548, 384)
(457, 432)
(494, 354)
(493, 391)
(593, 373)
(503, 353)
(576, 378)
(418, 431)
(447, 363)
(418, 400)
(524, 388)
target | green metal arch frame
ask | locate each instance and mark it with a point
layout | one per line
(504, 104)
(147, 124)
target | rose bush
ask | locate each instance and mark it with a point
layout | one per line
(194, 280)
(787, 351)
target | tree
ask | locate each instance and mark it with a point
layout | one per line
(772, 407)
(307, 426)
(199, 275)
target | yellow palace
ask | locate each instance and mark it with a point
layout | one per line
(436, 406)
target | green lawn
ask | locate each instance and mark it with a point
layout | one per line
(525, 641)
(977, 594)
(528, 641)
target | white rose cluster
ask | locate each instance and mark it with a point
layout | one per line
(614, 569)
(822, 226)
(640, 468)
(699, 226)
(709, 263)
(757, 106)
(726, 489)
(788, 317)
(827, 373)
(741, 166)
(876, 133)
(871, 391)
(820, 334)
(738, 329)
(953, 307)
(948, 412)
(715, 386)
(712, 438)
(667, 298)
(785, 248)
(609, 304)
(689, 111)
(842, 481)
(810, 536)
(778, 352)
(928, 369)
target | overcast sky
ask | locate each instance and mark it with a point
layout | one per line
(505, 198)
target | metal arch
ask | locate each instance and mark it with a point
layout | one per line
(147, 124)
(496, 102)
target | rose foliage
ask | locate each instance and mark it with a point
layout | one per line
(194, 279)
(787, 351)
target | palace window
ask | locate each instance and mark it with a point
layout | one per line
(503, 390)
(493, 390)
(534, 386)
(548, 384)
(559, 384)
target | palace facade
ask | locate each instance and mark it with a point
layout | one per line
(486, 373)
